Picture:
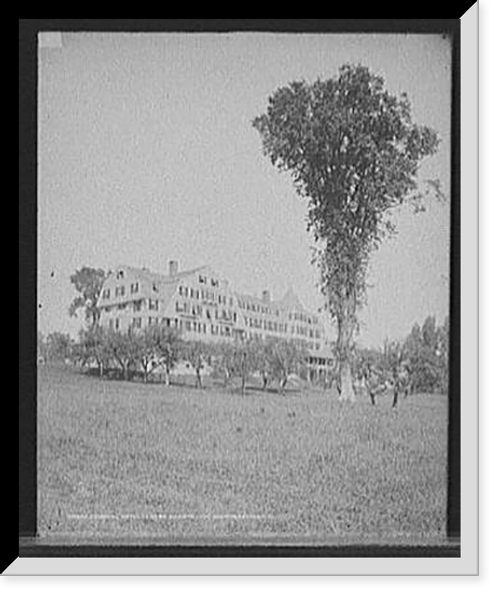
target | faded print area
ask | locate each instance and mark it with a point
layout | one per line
(216, 359)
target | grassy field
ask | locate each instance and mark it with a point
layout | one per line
(128, 460)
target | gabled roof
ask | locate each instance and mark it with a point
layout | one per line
(146, 274)
(291, 301)
(167, 285)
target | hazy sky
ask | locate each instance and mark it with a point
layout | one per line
(147, 153)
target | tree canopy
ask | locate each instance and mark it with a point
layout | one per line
(88, 282)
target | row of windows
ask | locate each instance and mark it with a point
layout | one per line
(257, 308)
(300, 330)
(303, 317)
(193, 326)
(205, 295)
(120, 290)
(272, 326)
(151, 304)
(199, 311)
(189, 326)
(204, 280)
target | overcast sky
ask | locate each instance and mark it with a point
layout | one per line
(147, 153)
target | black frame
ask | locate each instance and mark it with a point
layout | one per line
(29, 545)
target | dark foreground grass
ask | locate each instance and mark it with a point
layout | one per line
(118, 459)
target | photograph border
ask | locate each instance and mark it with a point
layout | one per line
(461, 551)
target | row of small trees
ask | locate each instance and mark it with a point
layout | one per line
(160, 348)
(423, 355)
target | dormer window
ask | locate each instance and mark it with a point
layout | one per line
(120, 274)
(155, 286)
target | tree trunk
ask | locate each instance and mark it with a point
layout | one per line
(167, 377)
(346, 320)
(346, 385)
(198, 379)
(395, 399)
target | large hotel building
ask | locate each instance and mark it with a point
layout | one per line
(202, 305)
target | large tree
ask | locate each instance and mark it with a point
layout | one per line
(88, 283)
(353, 152)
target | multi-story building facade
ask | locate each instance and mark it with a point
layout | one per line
(202, 305)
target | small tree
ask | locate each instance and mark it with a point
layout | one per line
(197, 354)
(263, 359)
(370, 371)
(167, 345)
(427, 353)
(58, 346)
(124, 349)
(143, 349)
(93, 345)
(244, 361)
(88, 282)
(396, 365)
(224, 360)
(287, 358)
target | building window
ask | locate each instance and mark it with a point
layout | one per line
(117, 323)
(136, 322)
(134, 288)
(153, 305)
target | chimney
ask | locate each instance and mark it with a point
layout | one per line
(173, 268)
(266, 296)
